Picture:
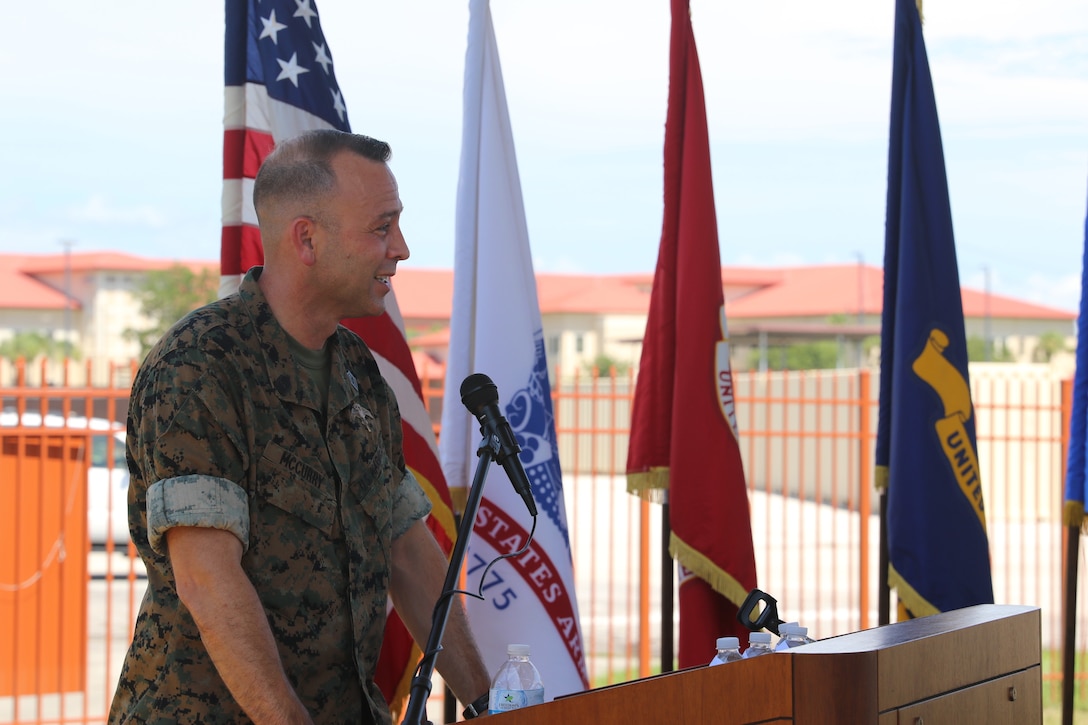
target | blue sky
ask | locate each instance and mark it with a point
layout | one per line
(113, 120)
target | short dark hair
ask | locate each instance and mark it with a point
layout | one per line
(302, 166)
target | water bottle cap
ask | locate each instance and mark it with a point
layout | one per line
(517, 650)
(788, 628)
(728, 643)
(759, 637)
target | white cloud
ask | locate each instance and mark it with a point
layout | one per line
(1061, 291)
(98, 210)
(1057, 290)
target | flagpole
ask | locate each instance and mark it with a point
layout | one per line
(1072, 517)
(884, 593)
(667, 572)
(1069, 651)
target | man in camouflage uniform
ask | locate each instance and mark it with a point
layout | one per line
(269, 495)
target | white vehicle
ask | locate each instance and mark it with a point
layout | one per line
(107, 514)
(107, 480)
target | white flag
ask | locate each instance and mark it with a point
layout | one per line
(496, 330)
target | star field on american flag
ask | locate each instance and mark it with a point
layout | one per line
(286, 51)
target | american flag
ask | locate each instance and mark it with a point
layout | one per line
(280, 82)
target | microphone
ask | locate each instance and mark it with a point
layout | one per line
(481, 397)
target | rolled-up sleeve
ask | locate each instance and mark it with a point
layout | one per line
(189, 448)
(410, 504)
(196, 500)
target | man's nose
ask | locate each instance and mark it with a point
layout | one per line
(398, 249)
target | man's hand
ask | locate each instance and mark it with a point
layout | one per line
(419, 570)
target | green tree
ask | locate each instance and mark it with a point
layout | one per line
(167, 295)
(819, 355)
(1050, 343)
(976, 351)
(30, 345)
(603, 366)
(870, 343)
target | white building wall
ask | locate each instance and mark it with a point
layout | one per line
(47, 322)
(108, 308)
(570, 340)
(622, 335)
(115, 310)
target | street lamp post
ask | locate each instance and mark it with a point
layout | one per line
(986, 336)
(67, 244)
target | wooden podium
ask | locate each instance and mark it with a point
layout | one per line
(975, 665)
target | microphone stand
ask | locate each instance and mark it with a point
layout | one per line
(421, 683)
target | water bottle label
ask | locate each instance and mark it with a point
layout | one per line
(503, 700)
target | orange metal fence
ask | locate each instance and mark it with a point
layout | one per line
(807, 441)
(67, 608)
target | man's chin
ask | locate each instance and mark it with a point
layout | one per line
(374, 309)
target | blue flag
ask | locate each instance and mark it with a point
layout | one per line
(1073, 512)
(925, 450)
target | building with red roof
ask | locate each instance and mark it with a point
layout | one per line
(87, 298)
(586, 317)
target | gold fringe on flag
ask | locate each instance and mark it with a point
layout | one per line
(880, 478)
(651, 485)
(921, 17)
(918, 605)
(458, 498)
(698, 564)
(903, 613)
(1073, 514)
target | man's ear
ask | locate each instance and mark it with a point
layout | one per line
(302, 231)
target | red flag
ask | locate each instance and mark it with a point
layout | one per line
(683, 429)
(280, 83)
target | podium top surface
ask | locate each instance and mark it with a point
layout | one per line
(860, 678)
(889, 635)
(889, 667)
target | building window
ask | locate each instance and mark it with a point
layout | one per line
(579, 343)
(553, 346)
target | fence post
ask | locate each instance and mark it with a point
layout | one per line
(865, 482)
(1070, 553)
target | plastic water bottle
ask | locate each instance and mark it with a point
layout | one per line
(759, 643)
(792, 635)
(517, 683)
(728, 651)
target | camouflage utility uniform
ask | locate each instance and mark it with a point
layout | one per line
(224, 432)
